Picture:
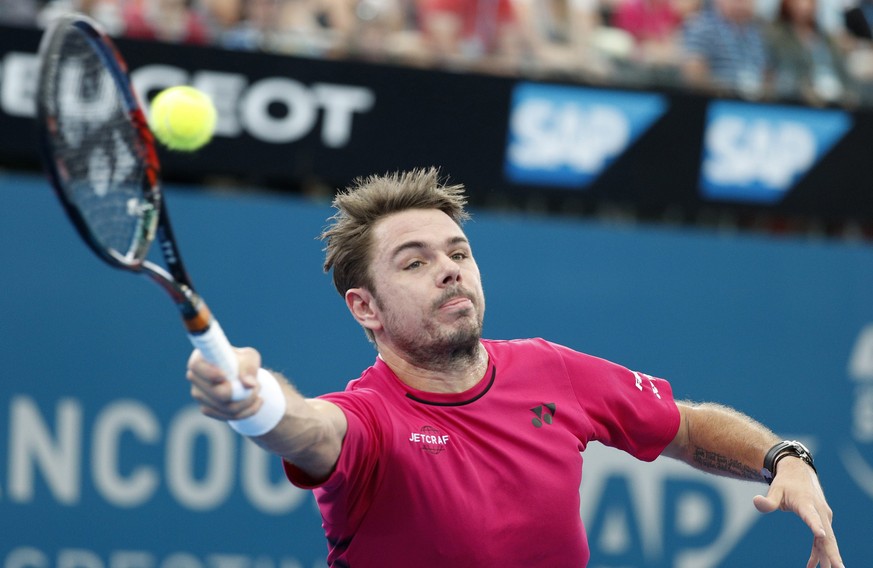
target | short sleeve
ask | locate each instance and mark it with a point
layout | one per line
(628, 410)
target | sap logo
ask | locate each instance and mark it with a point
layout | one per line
(857, 452)
(663, 514)
(566, 136)
(757, 153)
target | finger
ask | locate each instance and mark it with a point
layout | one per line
(824, 547)
(828, 551)
(766, 504)
(813, 520)
(211, 412)
(249, 360)
(226, 409)
(216, 389)
(220, 392)
(825, 553)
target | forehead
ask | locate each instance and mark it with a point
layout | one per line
(427, 226)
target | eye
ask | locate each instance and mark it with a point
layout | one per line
(460, 255)
(413, 265)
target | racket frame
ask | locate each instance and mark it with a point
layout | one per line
(155, 222)
(204, 330)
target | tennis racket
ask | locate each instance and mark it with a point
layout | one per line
(100, 156)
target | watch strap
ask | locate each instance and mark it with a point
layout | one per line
(781, 450)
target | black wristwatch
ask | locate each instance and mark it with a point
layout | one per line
(782, 449)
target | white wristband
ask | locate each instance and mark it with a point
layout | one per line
(271, 412)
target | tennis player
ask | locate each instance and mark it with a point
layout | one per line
(454, 450)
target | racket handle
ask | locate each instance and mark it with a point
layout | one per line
(216, 349)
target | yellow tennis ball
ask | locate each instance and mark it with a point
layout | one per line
(183, 118)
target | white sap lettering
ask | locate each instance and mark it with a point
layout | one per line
(549, 135)
(531, 126)
(602, 132)
(742, 152)
(791, 150)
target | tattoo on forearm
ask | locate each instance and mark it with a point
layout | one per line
(722, 464)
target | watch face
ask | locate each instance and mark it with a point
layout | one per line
(801, 448)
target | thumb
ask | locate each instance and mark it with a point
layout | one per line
(766, 504)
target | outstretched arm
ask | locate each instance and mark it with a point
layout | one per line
(310, 431)
(720, 440)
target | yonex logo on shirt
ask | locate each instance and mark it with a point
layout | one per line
(544, 413)
(431, 439)
(638, 378)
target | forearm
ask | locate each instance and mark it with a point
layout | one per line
(720, 440)
(309, 435)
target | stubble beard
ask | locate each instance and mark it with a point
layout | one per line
(436, 348)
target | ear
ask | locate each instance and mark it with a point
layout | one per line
(363, 306)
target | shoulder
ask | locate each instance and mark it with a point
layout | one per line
(498, 348)
(539, 351)
(364, 392)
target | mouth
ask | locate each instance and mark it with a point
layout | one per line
(457, 302)
(455, 299)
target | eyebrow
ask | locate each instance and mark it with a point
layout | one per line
(422, 245)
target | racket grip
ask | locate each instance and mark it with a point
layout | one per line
(216, 349)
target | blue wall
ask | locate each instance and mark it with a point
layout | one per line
(104, 463)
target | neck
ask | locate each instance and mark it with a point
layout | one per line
(458, 375)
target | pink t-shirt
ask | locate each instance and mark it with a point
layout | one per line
(487, 477)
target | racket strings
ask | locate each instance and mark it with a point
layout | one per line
(97, 148)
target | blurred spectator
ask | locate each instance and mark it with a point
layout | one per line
(807, 63)
(172, 21)
(106, 12)
(480, 34)
(19, 12)
(562, 37)
(656, 27)
(387, 30)
(724, 49)
(300, 27)
(859, 61)
(859, 19)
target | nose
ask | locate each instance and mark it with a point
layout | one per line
(450, 272)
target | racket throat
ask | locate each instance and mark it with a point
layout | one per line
(196, 316)
(194, 311)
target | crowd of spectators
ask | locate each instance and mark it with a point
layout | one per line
(817, 51)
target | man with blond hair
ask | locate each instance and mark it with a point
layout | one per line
(454, 450)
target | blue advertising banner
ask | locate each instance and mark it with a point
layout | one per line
(566, 136)
(106, 463)
(300, 124)
(757, 153)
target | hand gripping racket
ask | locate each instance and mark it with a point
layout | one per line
(100, 156)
